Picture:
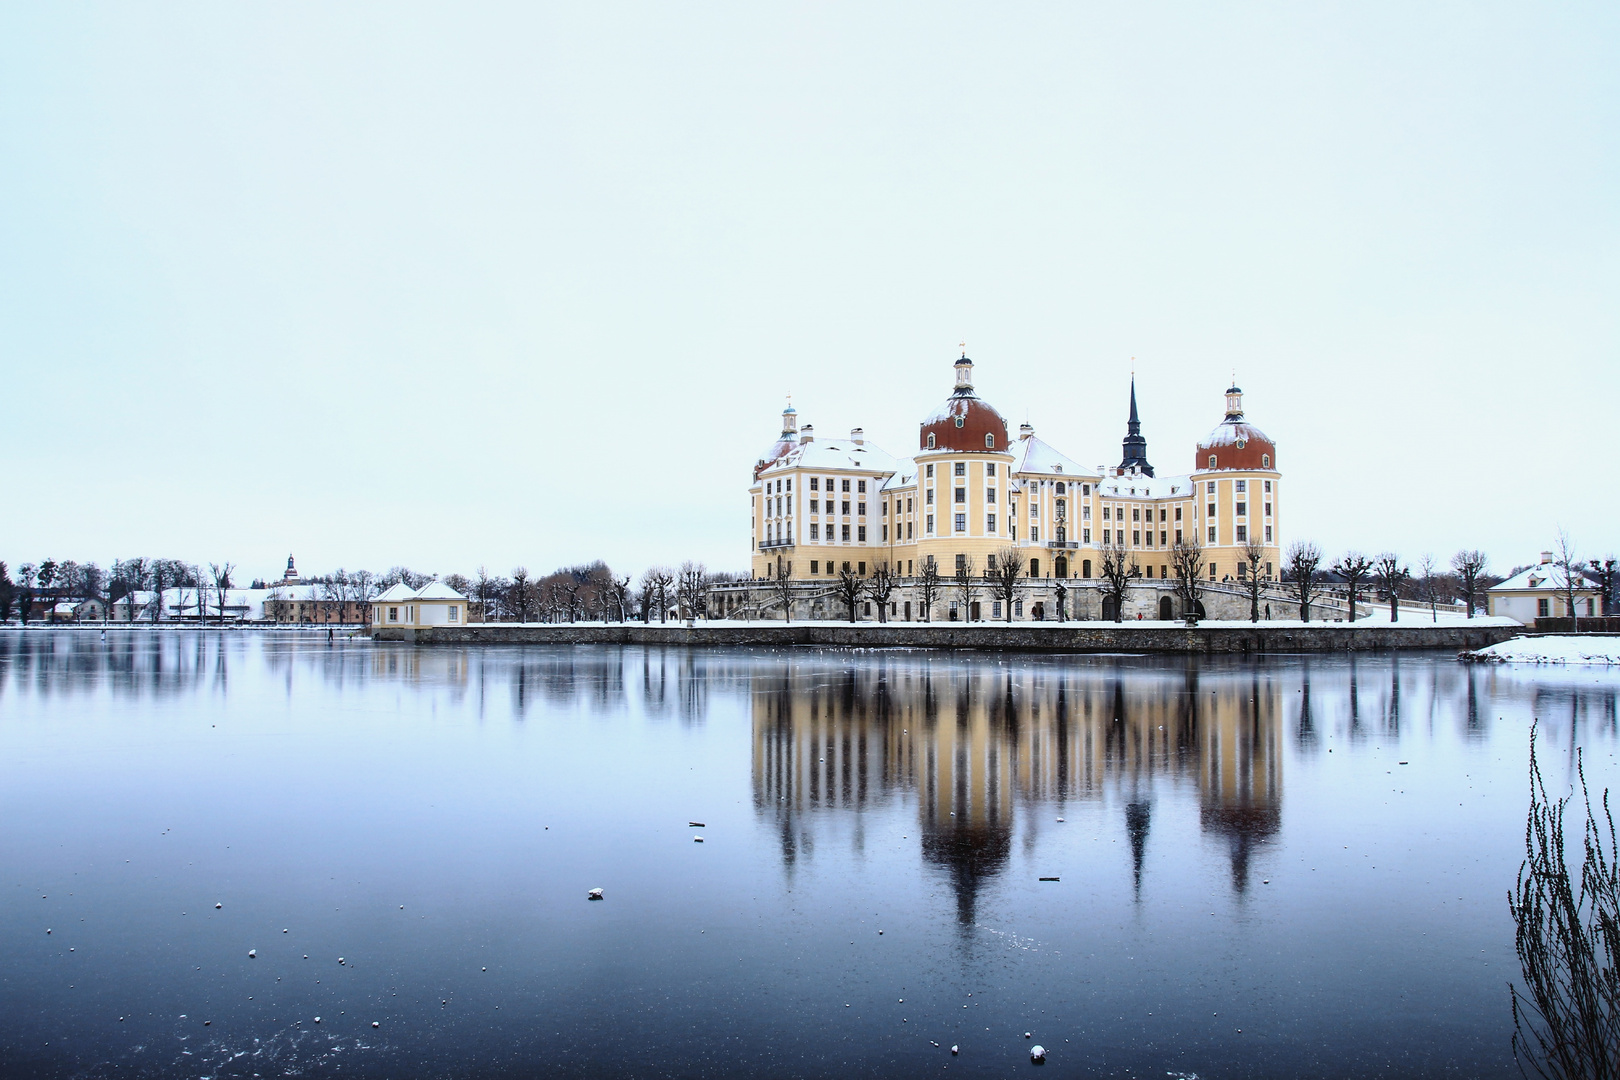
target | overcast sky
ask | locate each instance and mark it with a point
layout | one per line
(461, 284)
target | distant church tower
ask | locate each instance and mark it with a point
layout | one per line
(1135, 445)
(291, 576)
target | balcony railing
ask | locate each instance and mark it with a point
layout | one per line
(768, 545)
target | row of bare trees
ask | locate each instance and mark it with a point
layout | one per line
(1308, 575)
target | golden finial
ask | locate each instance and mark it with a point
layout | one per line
(964, 350)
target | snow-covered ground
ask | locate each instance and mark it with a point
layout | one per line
(1552, 649)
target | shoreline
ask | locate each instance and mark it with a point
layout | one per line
(1017, 637)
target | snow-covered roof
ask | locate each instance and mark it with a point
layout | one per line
(1229, 432)
(437, 590)
(297, 592)
(906, 477)
(1038, 456)
(1542, 577)
(1146, 487)
(395, 592)
(836, 454)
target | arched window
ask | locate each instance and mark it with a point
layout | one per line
(930, 442)
(1060, 488)
(1265, 461)
(1212, 461)
(989, 440)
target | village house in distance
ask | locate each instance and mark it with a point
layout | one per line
(973, 492)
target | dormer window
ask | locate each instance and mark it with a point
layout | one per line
(960, 421)
(930, 442)
(1212, 461)
(989, 438)
(1265, 461)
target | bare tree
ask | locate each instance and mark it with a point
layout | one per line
(1005, 567)
(221, 573)
(129, 578)
(1391, 576)
(693, 589)
(1304, 559)
(966, 586)
(1254, 553)
(881, 587)
(781, 587)
(1354, 567)
(619, 596)
(162, 579)
(1470, 565)
(1571, 568)
(655, 586)
(850, 587)
(928, 588)
(1431, 587)
(1117, 567)
(519, 602)
(1187, 557)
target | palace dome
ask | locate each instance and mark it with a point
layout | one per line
(965, 423)
(1236, 444)
(785, 443)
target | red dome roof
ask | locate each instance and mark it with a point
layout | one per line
(1236, 444)
(964, 423)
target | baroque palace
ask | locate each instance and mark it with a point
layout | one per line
(973, 493)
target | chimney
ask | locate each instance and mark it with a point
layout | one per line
(1546, 557)
(857, 436)
(807, 434)
(1026, 430)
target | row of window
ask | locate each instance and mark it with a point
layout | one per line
(1060, 569)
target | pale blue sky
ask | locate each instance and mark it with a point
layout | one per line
(482, 283)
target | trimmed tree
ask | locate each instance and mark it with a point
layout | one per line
(966, 586)
(880, 587)
(928, 588)
(1117, 567)
(1354, 567)
(1391, 576)
(1003, 575)
(781, 587)
(1187, 557)
(849, 588)
(1254, 553)
(1470, 566)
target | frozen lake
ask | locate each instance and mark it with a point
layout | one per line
(1296, 866)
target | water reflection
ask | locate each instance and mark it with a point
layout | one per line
(486, 788)
(973, 743)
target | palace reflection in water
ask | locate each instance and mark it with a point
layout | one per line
(974, 742)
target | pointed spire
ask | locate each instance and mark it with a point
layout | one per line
(1135, 446)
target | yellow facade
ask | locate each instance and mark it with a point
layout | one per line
(821, 506)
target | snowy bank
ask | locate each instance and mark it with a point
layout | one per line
(1551, 649)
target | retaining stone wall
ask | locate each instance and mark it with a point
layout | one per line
(1089, 637)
